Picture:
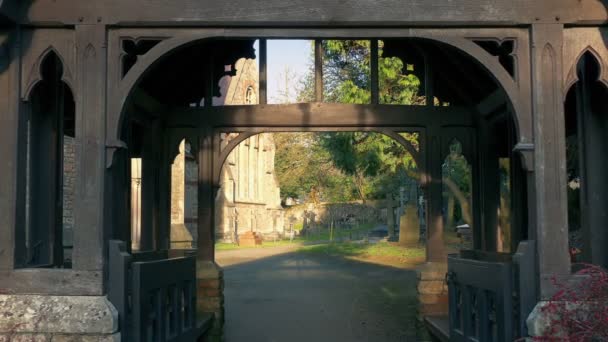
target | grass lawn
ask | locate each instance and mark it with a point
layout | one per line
(359, 231)
(222, 246)
(383, 252)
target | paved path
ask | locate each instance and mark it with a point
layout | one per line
(278, 295)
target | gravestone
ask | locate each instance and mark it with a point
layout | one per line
(409, 226)
(390, 216)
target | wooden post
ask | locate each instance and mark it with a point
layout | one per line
(263, 55)
(12, 150)
(550, 155)
(374, 79)
(206, 191)
(435, 249)
(318, 70)
(89, 208)
(163, 233)
(490, 189)
(150, 175)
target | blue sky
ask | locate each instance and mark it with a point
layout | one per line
(294, 55)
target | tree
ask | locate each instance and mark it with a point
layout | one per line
(375, 162)
(305, 170)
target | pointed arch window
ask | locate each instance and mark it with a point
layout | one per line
(49, 171)
(586, 150)
(457, 197)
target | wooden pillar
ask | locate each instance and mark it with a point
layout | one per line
(206, 191)
(319, 70)
(435, 249)
(12, 147)
(550, 155)
(163, 232)
(150, 176)
(489, 196)
(89, 234)
(263, 85)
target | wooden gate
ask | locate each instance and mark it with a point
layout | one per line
(155, 295)
(490, 294)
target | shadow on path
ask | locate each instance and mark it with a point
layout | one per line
(302, 297)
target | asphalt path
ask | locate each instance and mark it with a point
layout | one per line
(279, 295)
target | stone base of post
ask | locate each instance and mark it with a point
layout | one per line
(57, 318)
(432, 290)
(210, 297)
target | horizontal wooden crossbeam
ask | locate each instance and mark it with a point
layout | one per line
(321, 116)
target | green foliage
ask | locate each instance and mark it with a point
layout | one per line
(305, 170)
(353, 165)
(364, 250)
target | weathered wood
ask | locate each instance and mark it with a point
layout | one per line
(119, 264)
(490, 187)
(374, 79)
(550, 156)
(11, 197)
(319, 70)
(206, 196)
(314, 13)
(89, 212)
(150, 187)
(496, 282)
(263, 79)
(517, 93)
(578, 40)
(164, 308)
(435, 249)
(320, 115)
(491, 103)
(59, 282)
(524, 261)
(163, 233)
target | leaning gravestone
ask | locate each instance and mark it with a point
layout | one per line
(390, 216)
(409, 226)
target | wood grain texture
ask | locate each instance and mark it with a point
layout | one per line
(9, 150)
(320, 115)
(317, 12)
(550, 157)
(89, 232)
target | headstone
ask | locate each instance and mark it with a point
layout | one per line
(390, 216)
(249, 239)
(409, 226)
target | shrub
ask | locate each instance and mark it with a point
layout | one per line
(579, 309)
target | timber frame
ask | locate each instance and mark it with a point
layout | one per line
(549, 38)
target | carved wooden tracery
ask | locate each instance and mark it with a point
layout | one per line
(519, 108)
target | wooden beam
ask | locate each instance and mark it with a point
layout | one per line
(320, 115)
(149, 104)
(312, 12)
(491, 103)
(12, 170)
